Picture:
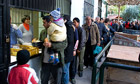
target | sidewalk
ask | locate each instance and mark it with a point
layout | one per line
(86, 79)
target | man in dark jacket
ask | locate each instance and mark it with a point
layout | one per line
(69, 49)
(101, 28)
(81, 45)
(115, 25)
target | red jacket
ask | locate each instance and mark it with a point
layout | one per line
(127, 25)
(22, 74)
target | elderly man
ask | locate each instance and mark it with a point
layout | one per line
(92, 40)
(101, 28)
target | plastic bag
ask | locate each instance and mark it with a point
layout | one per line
(97, 50)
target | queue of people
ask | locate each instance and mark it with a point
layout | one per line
(67, 42)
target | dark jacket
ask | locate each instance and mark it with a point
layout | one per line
(70, 37)
(101, 28)
(121, 28)
(115, 26)
(108, 35)
(82, 38)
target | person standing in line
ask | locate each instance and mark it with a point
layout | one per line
(73, 66)
(14, 34)
(121, 28)
(22, 73)
(115, 25)
(49, 68)
(69, 49)
(101, 28)
(101, 20)
(92, 40)
(57, 33)
(81, 45)
(26, 29)
(108, 33)
(57, 30)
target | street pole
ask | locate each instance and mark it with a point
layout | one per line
(119, 12)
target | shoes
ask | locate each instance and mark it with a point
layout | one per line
(85, 67)
(73, 81)
(51, 58)
(56, 60)
(80, 73)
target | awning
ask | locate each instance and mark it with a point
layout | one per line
(123, 2)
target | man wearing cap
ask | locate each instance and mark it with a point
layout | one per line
(22, 73)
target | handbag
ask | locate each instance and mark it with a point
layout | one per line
(97, 50)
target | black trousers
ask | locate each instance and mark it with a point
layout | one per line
(47, 70)
(73, 67)
(89, 57)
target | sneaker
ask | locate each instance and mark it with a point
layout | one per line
(85, 67)
(51, 58)
(56, 60)
(80, 73)
(73, 81)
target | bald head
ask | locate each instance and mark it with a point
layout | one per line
(88, 20)
(98, 19)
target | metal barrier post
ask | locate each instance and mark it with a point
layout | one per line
(94, 70)
(93, 80)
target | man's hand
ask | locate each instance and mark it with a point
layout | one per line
(98, 44)
(47, 44)
(74, 53)
(78, 51)
(102, 39)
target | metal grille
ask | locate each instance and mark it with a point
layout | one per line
(100, 8)
(90, 1)
(65, 6)
(18, 14)
(88, 8)
(40, 5)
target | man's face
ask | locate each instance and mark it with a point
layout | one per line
(98, 19)
(46, 24)
(102, 21)
(88, 21)
(76, 24)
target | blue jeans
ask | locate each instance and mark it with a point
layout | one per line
(65, 73)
